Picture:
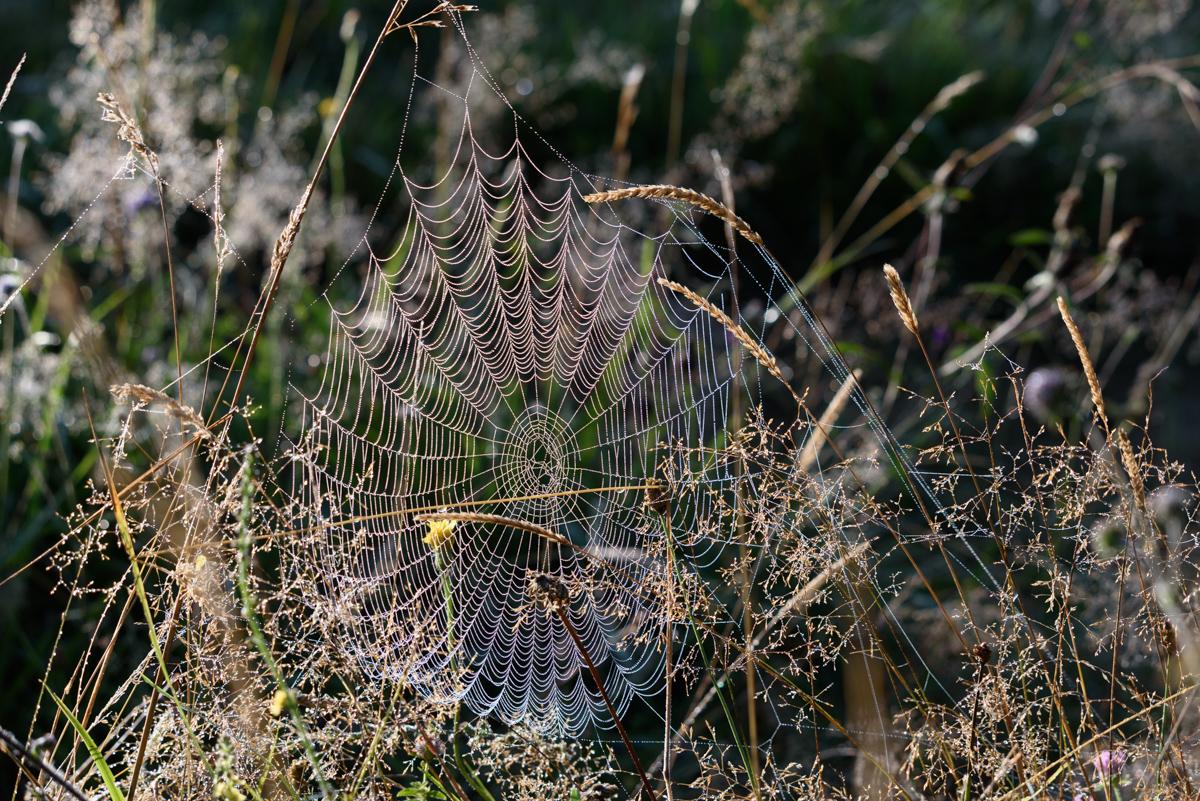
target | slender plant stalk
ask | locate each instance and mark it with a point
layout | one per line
(683, 35)
(627, 111)
(283, 41)
(106, 774)
(908, 316)
(718, 685)
(460, 761)
(287, 238)
(744, 573)
(947, 95)
(668, 652)
(126, 537)
(116, 497)
(822, 270)
(152, 707)
(612, 710)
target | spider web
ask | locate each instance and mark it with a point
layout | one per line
(515, 355)
(554, 453)
(511, 353)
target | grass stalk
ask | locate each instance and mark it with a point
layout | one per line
(106, 774)
(257, 637)
(612, 710)
(27, 758)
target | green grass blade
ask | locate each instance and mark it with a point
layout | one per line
(106, 773)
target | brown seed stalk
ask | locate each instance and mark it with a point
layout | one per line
(760, 354)
(901, 300)
(612, 710)
(1089, 369)
(1133, 469)
(689, 196)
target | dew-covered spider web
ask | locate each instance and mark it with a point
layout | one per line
(579, 485)
(528, 447)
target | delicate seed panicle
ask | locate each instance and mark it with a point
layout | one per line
(146, 396)
(128, 130)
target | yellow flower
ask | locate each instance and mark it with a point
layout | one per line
(278, 701)
(440, 532)
(227, 791)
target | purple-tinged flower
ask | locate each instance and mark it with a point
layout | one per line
(139, 202)
(1109, 763)
(1047, 395)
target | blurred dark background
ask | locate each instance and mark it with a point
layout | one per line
(860, 74)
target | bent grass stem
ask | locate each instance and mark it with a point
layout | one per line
(612, 710)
